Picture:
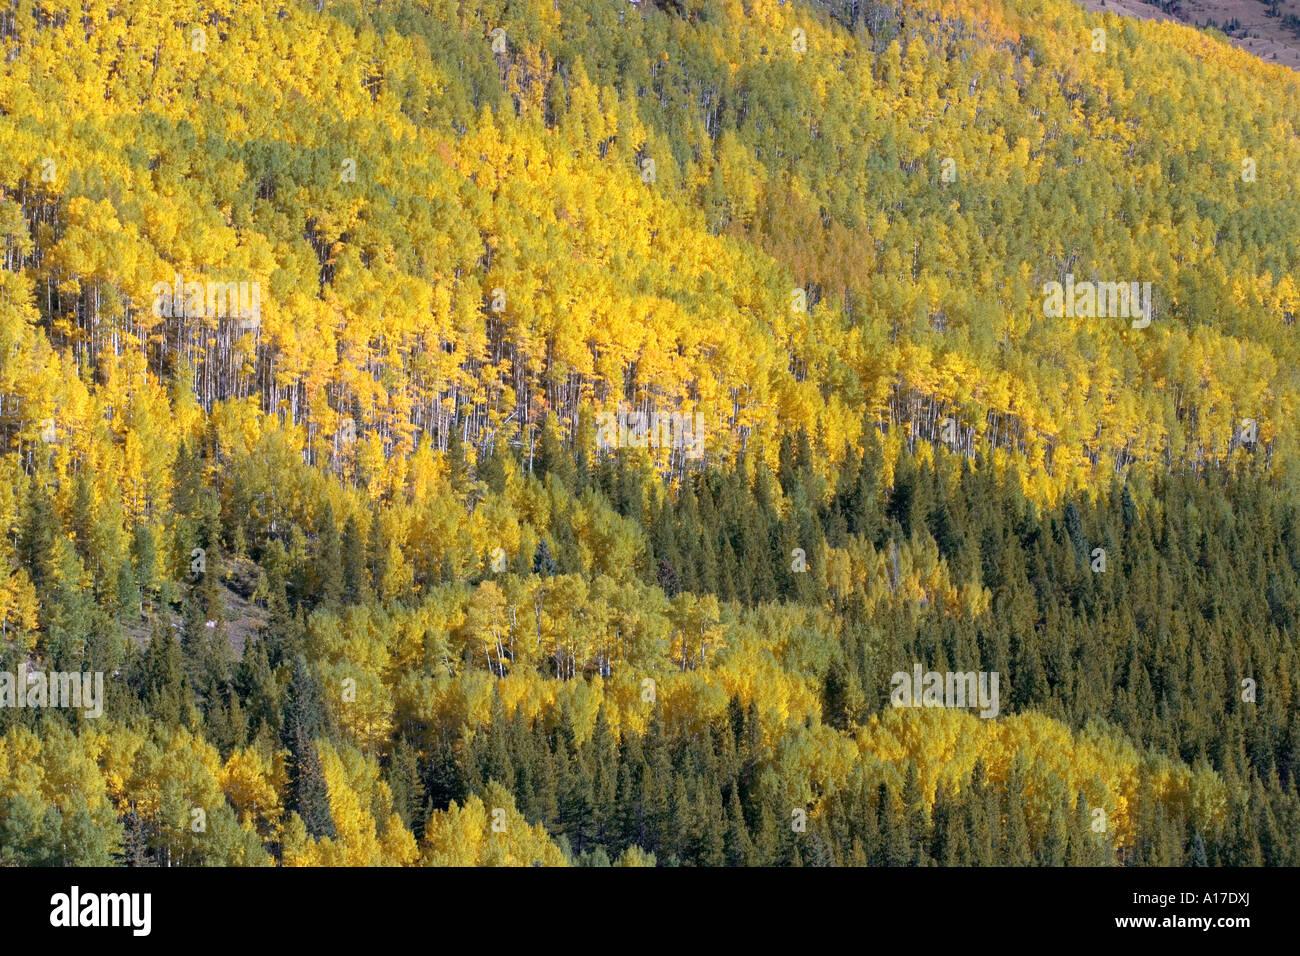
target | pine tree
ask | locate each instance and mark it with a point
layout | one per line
(1015, 842)
(328, 563)
(356, 586)
(144, 558)
(377, 556)
(978, 824)
(304, 721)
(894, 848)
(667, 578)
(740, 850)
(163, 685)
(917, 818)
(407, 789)
(543, 563)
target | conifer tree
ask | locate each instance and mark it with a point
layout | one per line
(356, 584)
(328, 576)
(303, 722)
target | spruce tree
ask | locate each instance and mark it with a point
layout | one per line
(328, 561)
(543, 563)
(303, 722)
(356, 584)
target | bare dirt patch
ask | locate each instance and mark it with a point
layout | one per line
(1269, 31)
(244, 616)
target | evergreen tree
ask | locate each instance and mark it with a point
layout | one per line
(303, 722)
(328, 564)
(356, 586)
(543, 563)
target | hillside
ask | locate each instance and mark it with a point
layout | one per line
(1268, 29)
(353, 311)
(378, 210)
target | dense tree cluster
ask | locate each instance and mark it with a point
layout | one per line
(675, 704)
(368, 583)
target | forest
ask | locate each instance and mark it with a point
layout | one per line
(313, 322)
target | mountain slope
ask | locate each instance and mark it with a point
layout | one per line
(441, 234)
